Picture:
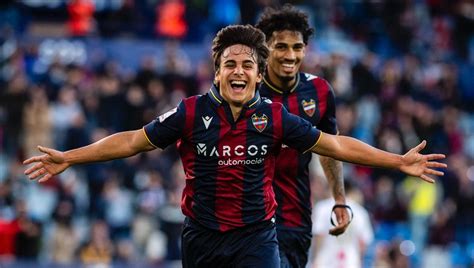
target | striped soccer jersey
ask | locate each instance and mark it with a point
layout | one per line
(229, 165)
(312, 98)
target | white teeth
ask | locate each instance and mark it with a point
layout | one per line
(288, 65)
(238, 83)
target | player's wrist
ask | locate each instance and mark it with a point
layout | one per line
(340, 200)
(336, 206)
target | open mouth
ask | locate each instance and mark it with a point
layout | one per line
(238, 85)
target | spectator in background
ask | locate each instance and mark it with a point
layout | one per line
(37, 121)
(389, 211)
(422, 200)
(98, 250)
(81, 21)
(63, 113)
(13, 100)
(118, 209)
(348, 249)
(64, 240)
(170, 19)
(28, 238)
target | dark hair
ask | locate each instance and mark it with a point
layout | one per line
(285, 18)
(240, 34)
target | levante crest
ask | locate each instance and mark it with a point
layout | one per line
(259, 122)
(309, 107)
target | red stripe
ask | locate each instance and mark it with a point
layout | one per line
(269, 194)
(293, 105)
(322, 91)
(229, 182)
(288, 160)
(277, 98)
(188, 158)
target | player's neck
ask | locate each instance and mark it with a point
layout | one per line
(236, 110)
(284, 84)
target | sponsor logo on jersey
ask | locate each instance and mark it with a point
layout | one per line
(260, 122)
(309, 107)
(255, 154)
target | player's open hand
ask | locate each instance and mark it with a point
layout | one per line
(51, 163)
(343, 219)
(420, 165)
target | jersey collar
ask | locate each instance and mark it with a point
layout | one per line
(217, 99)
(268, 83)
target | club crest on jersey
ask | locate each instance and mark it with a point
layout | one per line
(309, 107)
(259, 122)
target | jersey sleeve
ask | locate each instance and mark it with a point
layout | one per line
(328, 122)
(298, 133)
(167, 128)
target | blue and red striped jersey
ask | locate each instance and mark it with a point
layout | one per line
(312, 98)
(229, 164)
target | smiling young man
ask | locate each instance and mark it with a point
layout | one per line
(287, 32)
(228, 140)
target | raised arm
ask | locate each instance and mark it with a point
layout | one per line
(119, 145)
(354, 151)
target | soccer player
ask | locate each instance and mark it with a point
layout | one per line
(287, 32)
(228, 140)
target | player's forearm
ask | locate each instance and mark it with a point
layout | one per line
(333, 171)
(351, 150)
(119, 145)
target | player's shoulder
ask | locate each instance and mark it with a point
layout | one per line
(268, 103)
(193, 99)
(316, 82)
(308, 77)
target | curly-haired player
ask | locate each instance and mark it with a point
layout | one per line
(287, 31)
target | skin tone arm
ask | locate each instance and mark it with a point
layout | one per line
(333, 171)
(351, 150)
(119, 145)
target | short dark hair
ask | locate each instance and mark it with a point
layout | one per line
(285, 18)
(240, 34)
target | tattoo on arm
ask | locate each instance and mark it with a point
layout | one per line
(333, 171)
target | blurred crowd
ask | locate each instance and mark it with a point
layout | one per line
(403, 72)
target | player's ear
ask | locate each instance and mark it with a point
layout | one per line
(259, 77)
(217, 77)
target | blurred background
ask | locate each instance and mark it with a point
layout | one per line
(72, 72)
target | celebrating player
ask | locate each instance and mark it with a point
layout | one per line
(287, 32)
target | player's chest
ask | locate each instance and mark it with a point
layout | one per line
(216, 134)
(305, 104)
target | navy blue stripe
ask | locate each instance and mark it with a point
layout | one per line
(206, 171)
(303, 188)
(279, 195)
(253, 206)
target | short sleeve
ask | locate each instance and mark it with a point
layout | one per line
(167, 128)
(298, 133)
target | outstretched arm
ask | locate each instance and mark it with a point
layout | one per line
(354, 151)
(119, 145)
